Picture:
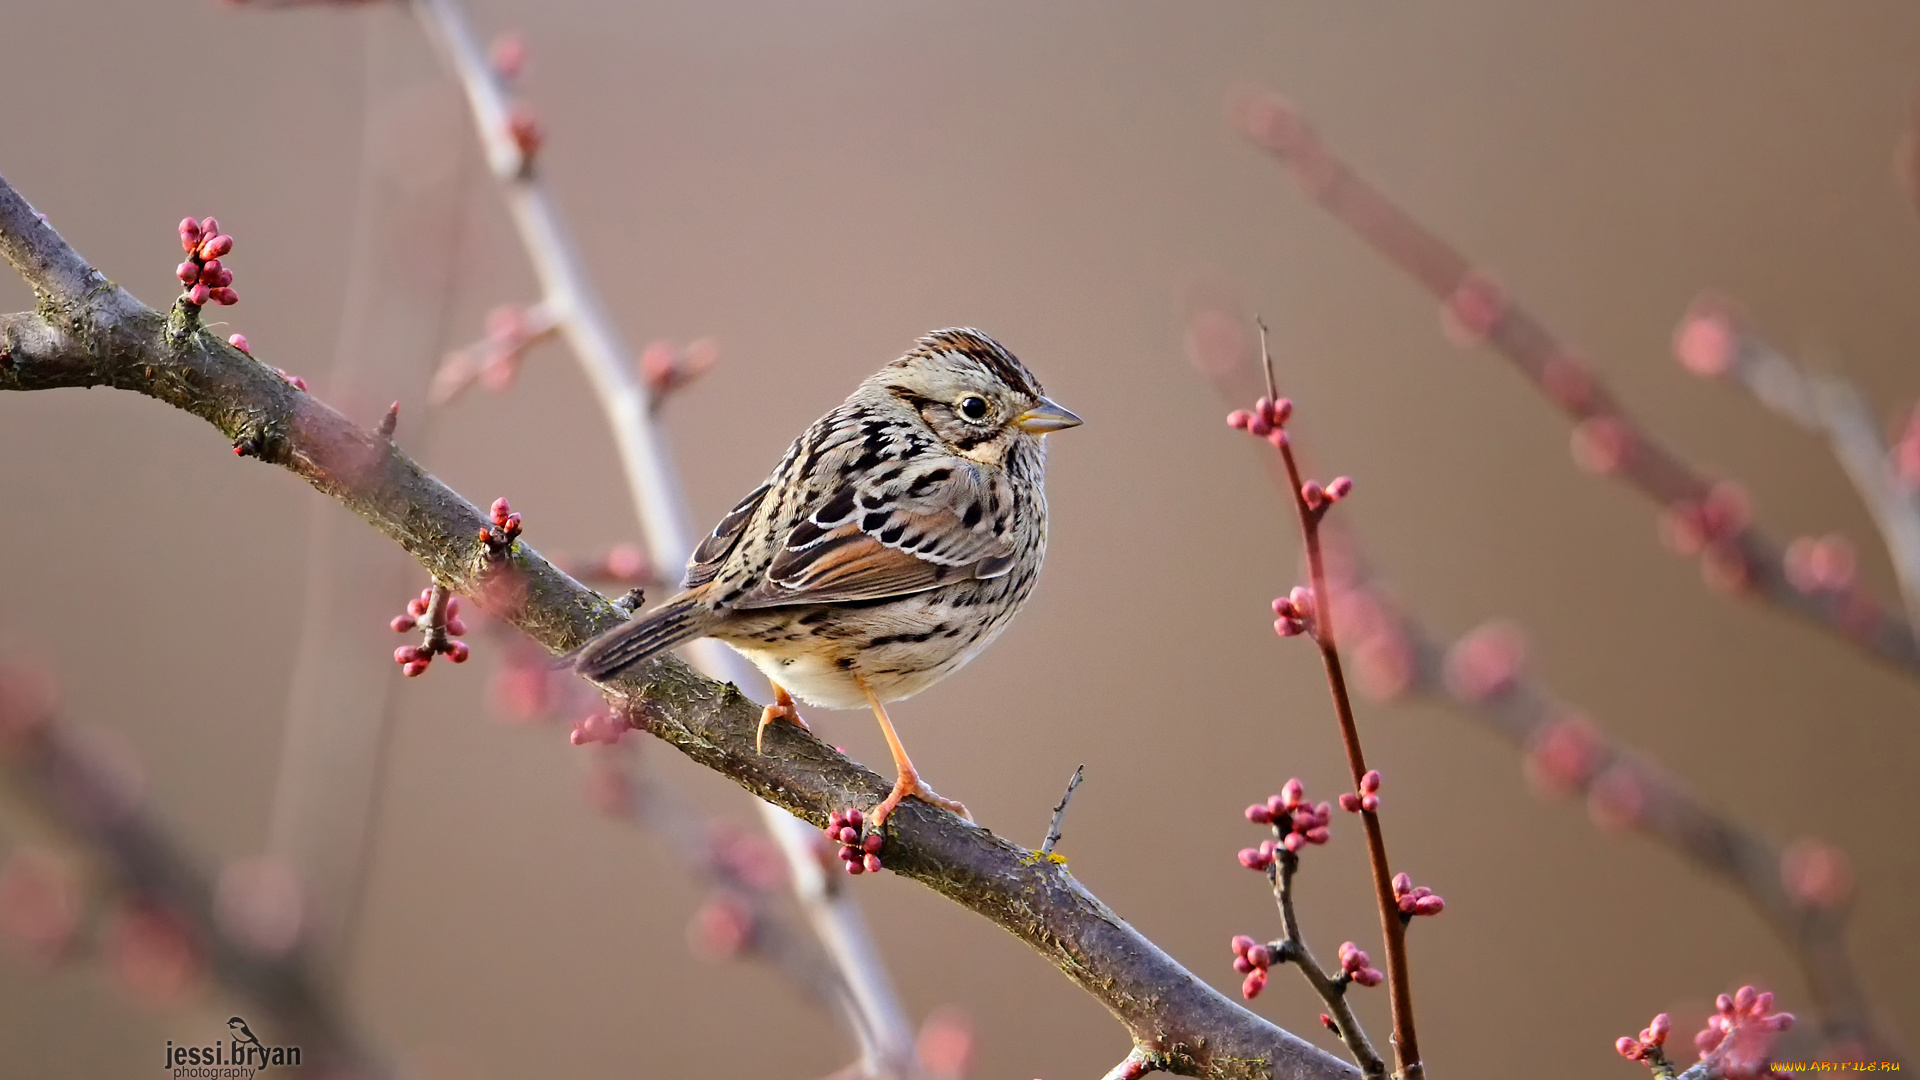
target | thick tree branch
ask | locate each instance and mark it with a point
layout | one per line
(98, 335)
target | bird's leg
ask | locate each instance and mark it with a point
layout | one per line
(781, 709)
(908, 782)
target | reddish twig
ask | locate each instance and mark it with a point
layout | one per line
(1313, 613)
(1709, 517)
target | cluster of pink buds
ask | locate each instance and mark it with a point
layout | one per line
(1267, 421)
(506, 526)
(1252, 959)
(205, 279)
(1820, 565)
(1746, 1012)
(1415, 899)
(1710, 527)
(1296, 823)
(1357, 966)
(602, 726)
(1647, 1046)
(860, 855)
(439, 627)
(1319, 498)
(1367, 798)
(665, 367)
(1293, 613)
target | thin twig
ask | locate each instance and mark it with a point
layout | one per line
(1393, 928)
(1060, 812)
(89, 332)
(1739, 557)
(886, 1036)
(1333, 992)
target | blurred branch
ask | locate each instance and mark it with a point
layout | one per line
(1709, 517)
(570, 306)
(88, 332)
(73, 791)
(1714, 341)
(1801, 893)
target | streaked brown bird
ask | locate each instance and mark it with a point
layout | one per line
(895, 540)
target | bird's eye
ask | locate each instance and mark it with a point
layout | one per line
(973, 407)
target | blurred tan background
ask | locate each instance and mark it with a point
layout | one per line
(816, 183)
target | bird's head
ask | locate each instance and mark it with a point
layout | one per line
(977, 397)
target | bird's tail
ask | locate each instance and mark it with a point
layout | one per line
(673, 623)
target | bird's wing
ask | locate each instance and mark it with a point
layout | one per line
(890, 532)
(713, 551)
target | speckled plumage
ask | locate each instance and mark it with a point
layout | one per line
(895, 540)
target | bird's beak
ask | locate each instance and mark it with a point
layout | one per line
(1045, 417)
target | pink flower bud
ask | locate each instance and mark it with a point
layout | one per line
(1349, 802)
(1254, 983)
(1293, 793)
(1370, 803)
(1282, 411)
(1259, 427)
(1242, 965)
(1402, 884)
(189, 234)
(1260, 956)
(1241, 943)
(223, 296)
(871, 862)
(1340, 488)
(1313, 494)
(1301, 598)
(1289, 627)
(1279, 439)
(1705, 342)
(1658, 1030)
(401, 624)
(1253, 860)
(1257, 813)
(239, 341)
(209, 227)
(414, 669)
(1316, 835)
(1368, 977)
(872, 844)
(1429, 905)
(199, 295)
(458, 652)
(1294, 842)
(1240, 419)
(1628, 1048)
(216, 247)
(1370, 783)
(187, 272)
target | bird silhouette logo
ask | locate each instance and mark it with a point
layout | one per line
(246, 1042)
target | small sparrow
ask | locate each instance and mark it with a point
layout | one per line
(896, 539)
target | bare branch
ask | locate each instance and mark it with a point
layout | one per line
(1060, 812)
(113, 340)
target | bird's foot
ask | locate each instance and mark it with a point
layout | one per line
(909, 784)
(781, 710)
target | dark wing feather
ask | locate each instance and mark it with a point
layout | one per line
(714, 550)
(922, 526)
